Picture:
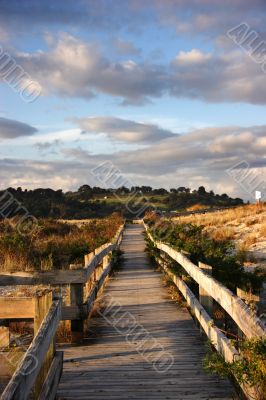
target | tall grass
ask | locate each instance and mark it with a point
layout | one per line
(54, 245)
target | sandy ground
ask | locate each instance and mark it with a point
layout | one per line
(246, 226)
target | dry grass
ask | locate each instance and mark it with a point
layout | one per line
(245, 225)
(249, 214)
(54, 245)
(248, 241)
(262, 230)
(197, 207)
(223, 233)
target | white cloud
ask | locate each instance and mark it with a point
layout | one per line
(74, 68)
(191, 57)
(124, 130)
(197, 158)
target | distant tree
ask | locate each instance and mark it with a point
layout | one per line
(84, 188)
(160, 191)
(224, 196)
(122, 190)
(201, 190)
(146, 189)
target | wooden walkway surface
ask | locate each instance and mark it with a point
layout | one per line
(112, 364)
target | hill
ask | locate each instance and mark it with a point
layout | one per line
(90, 202)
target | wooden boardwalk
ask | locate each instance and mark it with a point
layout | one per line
(115, 364)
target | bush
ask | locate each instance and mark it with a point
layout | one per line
(55, 244)
(220, 254)
(250, 369)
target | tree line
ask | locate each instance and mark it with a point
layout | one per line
(90, 202)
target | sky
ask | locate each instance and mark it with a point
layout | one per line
(157, 88)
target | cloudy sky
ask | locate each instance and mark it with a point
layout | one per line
(156, 87)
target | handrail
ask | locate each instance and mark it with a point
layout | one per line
(24, 378)
(250, 325)
(63, 277)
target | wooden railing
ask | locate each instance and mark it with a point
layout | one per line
(84, 283)
(39, 371)
(249, 324)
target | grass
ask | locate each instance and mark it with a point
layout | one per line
(215, 248)
(156, 200)
(245, 224)
(54, 245)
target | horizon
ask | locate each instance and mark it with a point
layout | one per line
(170, 94)
(112, 189)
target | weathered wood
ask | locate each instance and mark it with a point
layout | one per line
(219, 340)
(27, 371)
(50, 385)
(247, 296)
(42, 306)
(99, 255)
(250, 325)
(76, 299)
(17, 308)
(136, 320)
(74, 312)
(204, 298)
(97, 287)
(4, 336)
(105, 261)
(59, 277)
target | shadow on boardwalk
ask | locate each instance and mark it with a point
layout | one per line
(107, 366)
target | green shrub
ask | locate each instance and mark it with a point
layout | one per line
(250, 369)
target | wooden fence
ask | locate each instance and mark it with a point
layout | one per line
(249, 324)
(39, 371)
(84, 283)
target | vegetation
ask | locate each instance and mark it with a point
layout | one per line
(54, 244)
(219, 253)
(245, 224)
(250, 369)
(91, 202)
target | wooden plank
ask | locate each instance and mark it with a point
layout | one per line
(27, 371)
(16, 308)
(97, 287)
(50, 385)
(59, 277)
(76, 299)
(115, 362)
(90, 267)
(73, 312)
(204, 298)
(42, 306)
(218, 339)
(4, 336)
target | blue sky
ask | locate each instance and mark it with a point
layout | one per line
(157, 87)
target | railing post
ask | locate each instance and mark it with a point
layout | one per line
(105, 261)
(205, 299)
(76, 299)
(42, 306)
(4, 336)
